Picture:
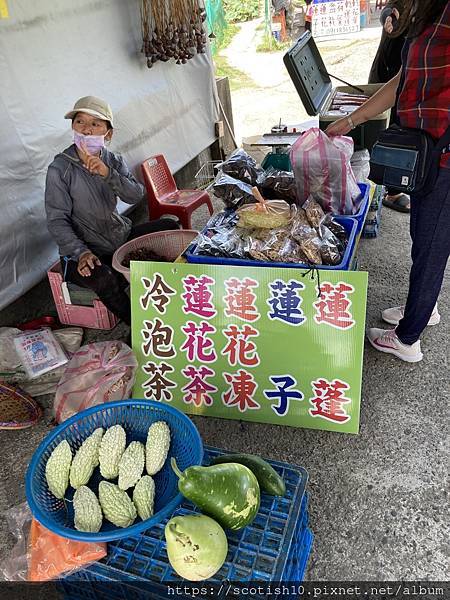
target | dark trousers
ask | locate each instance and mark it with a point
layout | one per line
(107, 283)
(429, 227)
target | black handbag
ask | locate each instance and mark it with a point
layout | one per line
(407, 159)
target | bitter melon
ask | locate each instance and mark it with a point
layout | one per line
(86, 459)
(157, 446)
(131, 465)
(57, 469)
(88, 514)
(144, 496)
(111, 450)
(116, 504)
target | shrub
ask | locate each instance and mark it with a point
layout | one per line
(241, 10)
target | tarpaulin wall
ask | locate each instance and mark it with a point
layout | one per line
(53, 52)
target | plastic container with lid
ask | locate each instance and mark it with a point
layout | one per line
(313, 84)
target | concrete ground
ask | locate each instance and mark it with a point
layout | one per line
(376, 499)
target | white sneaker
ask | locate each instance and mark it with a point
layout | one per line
(395, 315)
(386, 340)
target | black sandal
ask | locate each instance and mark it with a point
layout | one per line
(399, 202)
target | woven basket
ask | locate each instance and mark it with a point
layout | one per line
(167, 244)
(18, 410)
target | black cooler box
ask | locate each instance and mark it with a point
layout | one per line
(313, 84)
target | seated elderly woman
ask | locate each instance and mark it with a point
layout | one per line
(83, 185)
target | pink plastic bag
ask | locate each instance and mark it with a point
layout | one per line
(97, 373)
(321, 166)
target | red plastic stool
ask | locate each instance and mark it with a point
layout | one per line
(165, 198)
(91, 317)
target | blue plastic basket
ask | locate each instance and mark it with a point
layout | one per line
(274, 547)
(350, 225)
(135, 416)
(360, 216)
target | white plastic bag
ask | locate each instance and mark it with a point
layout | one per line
(13, 372)
(360, 164)
(97, 373)
(321, 166)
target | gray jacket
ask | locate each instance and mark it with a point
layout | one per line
(82, 208)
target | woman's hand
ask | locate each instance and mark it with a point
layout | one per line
(93, 164)
(87, 263)
(389, 23)
(339, 127)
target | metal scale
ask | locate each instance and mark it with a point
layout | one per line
(280, 139)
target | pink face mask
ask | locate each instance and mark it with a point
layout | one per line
(92, 143)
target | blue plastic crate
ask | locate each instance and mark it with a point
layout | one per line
(350, 225)
(272, 548)
(360, 216)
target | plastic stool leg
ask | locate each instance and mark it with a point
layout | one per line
(185, 220)
(154, 211)
(210, 206)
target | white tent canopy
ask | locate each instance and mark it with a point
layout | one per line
(53, 52)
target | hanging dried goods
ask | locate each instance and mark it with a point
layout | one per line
(172, 29)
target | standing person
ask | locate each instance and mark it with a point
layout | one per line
(83, 186)
(423, 102)
(386, 64)
(308, 14)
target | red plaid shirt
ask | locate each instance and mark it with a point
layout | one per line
(424, 100)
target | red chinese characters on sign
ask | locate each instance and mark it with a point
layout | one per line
(198, 391)
(198, 346)
(158, 386)
(332, 308)
(240, 349)
(240, 299)
(157, 339)
(241, 391)
(158, 292)
(329, 400)
(198, 297)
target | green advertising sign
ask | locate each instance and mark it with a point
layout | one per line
(256, 344)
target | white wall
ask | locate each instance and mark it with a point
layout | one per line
(53, 52)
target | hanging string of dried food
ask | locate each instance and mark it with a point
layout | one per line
(172, 29)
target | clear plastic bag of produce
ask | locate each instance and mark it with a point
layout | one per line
(290, 252)
(272, 241)
(257, 250)
(231, 191)
(321, 167)
(41, 555)
(241, 166)
(314, 212)
(337, 229)
(225, 241)
(308, 241)
(224, 218)
(274, 183)
(330, 248)
(315, 239)
(265, 214)
(97, 373)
